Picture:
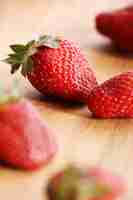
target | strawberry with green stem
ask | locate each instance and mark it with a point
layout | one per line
(95, 183)
(55, 67)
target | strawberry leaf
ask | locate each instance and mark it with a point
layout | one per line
(49, 41)
(27, 66)
(22, 54)
(30, 44)
(8, 61)
(14, 68)
(18, 48)
(16, 58)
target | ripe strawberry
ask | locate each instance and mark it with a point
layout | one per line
(118, 26)
(54, 67)
(113, 98)
(25, 141)
(94, 184)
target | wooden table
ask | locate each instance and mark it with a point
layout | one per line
(82, 139)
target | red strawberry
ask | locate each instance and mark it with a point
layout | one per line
(113, 98)
(118, 26)
(25, 140)
(54, 67)
(94, 184)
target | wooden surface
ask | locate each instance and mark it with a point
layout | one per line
(82, 139)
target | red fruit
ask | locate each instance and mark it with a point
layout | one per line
(118, 26)
(25, 140)
(113, 98)
(55, 68)
(96, 184)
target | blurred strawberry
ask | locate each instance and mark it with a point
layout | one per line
(118, 26)
(94, 184)
(25, 142)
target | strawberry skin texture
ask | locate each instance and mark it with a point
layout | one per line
(62, 72)
(118, 26)
(26, 142)
(113, 98)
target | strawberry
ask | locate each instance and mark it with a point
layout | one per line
(25, 140)
(113, 98)
(54, 67)
(92, 184)
(117, 25)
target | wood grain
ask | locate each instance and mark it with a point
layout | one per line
(82, 139)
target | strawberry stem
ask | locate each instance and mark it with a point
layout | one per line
(22, 54)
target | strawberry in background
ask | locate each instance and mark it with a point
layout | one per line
(95, 183)
(117, 25)
(25, 140)
(55, 67)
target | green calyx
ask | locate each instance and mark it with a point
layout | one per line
(74, 185)
(22, 54)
